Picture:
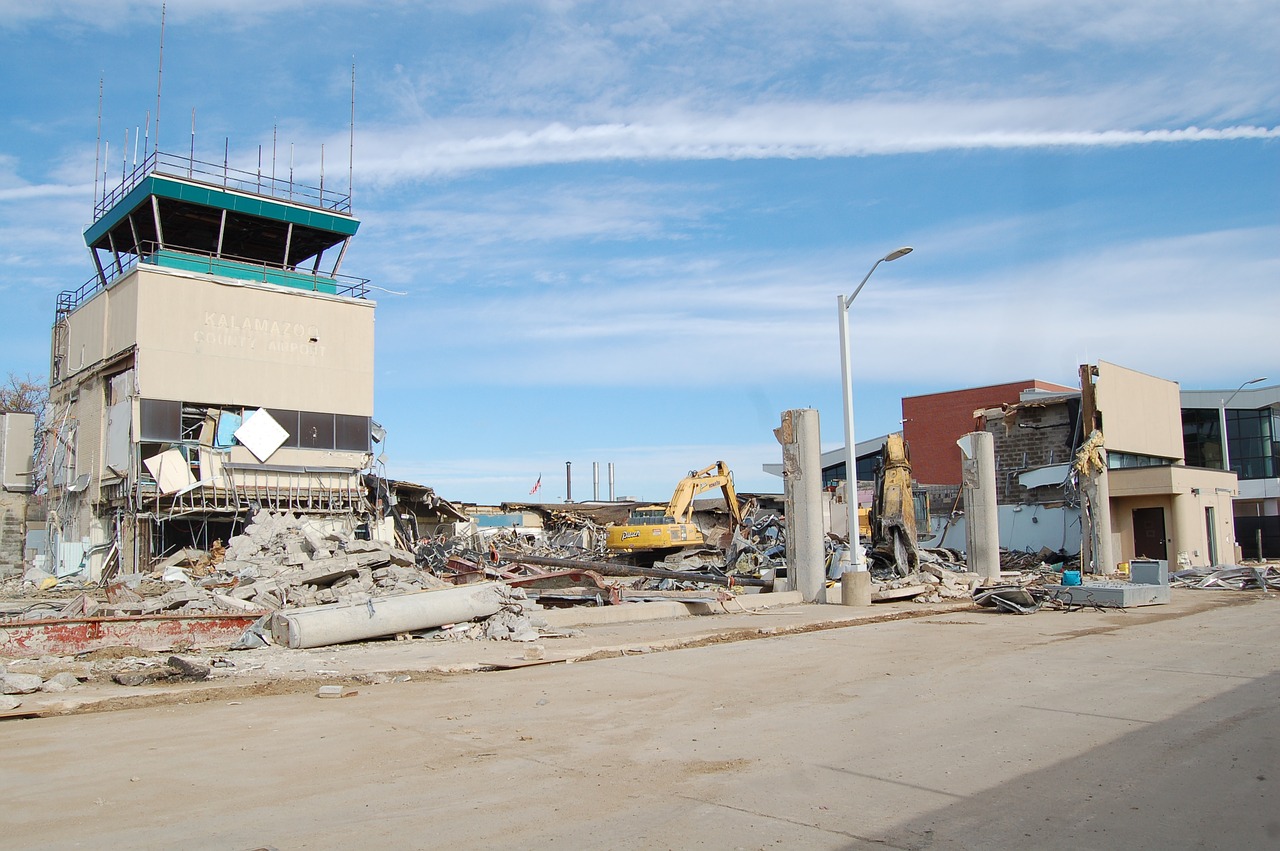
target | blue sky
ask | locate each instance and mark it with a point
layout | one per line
(620, 227)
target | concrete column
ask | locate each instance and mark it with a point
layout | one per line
(802, 485)
(1188, 530)
(981, 515)
(1103, 546)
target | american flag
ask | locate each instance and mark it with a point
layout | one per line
(536, 485)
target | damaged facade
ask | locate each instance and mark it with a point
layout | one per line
(217, 363)
(1157, 506)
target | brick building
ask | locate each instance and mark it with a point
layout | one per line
(931, 424)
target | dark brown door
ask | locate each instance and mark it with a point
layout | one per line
(1148, 533)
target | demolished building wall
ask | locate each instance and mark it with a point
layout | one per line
(1158, 507)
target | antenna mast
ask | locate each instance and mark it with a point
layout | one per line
(97, 149)
(160, 76)
(351, 145)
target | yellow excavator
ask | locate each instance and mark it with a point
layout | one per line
(670, 527)
(891, 524)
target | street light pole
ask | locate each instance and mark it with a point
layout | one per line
(1222, 420)
(850, 451)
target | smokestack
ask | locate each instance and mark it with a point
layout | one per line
(611, 481)
(568, 481)
(595, 481)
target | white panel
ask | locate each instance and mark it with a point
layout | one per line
(261, 434)
(170, 470)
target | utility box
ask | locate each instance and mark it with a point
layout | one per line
(1146, 571)
(1111, 594)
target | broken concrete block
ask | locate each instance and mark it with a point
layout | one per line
(358, 546)
(314, 540)
(22, 683)
(268, 599)
(188, 670)
(132, 678)
(336, 691)
(321, 573)
(60, 682)
(235, 604)
(174, 599)
(9, 703)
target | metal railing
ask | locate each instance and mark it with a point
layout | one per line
(345, 286)
(220, 174)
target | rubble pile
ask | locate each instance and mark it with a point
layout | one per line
(1232, 577)
(1045, 559)
(760, 545)
(14, 684)
(280, 561)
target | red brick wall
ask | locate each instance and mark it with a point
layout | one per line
(933, 423)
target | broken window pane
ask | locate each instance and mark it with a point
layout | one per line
(161, 420)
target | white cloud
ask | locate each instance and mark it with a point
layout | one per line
(771, 318)
(771, 131)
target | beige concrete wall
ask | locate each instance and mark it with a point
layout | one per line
(1122, 525)
(17, 442)
(1141, 414)
(86, 339)
(202, 340)
(287, 456)
(1184, 493)
(122, 318)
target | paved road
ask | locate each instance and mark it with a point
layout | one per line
(1155, 728)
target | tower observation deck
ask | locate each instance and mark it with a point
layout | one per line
(181, 213)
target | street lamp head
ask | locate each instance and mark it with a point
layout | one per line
(1254, 381)
(901, 252)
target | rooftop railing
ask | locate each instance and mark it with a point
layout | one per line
(220, 174)
(345, 286)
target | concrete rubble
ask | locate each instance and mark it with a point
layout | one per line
(284, 570)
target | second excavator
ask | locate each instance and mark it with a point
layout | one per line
(660, 529)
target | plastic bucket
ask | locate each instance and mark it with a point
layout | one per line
(1071, 577)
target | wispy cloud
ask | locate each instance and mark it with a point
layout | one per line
(775, 315)
(776, 131)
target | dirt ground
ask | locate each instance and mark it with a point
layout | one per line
(960, 728)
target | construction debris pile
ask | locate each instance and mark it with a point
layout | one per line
(1229, 577)
(279, 561)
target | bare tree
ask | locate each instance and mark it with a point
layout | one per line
(23, 395)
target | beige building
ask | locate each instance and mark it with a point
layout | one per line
(1160, 507)
(218, 363)
(1156, 506)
